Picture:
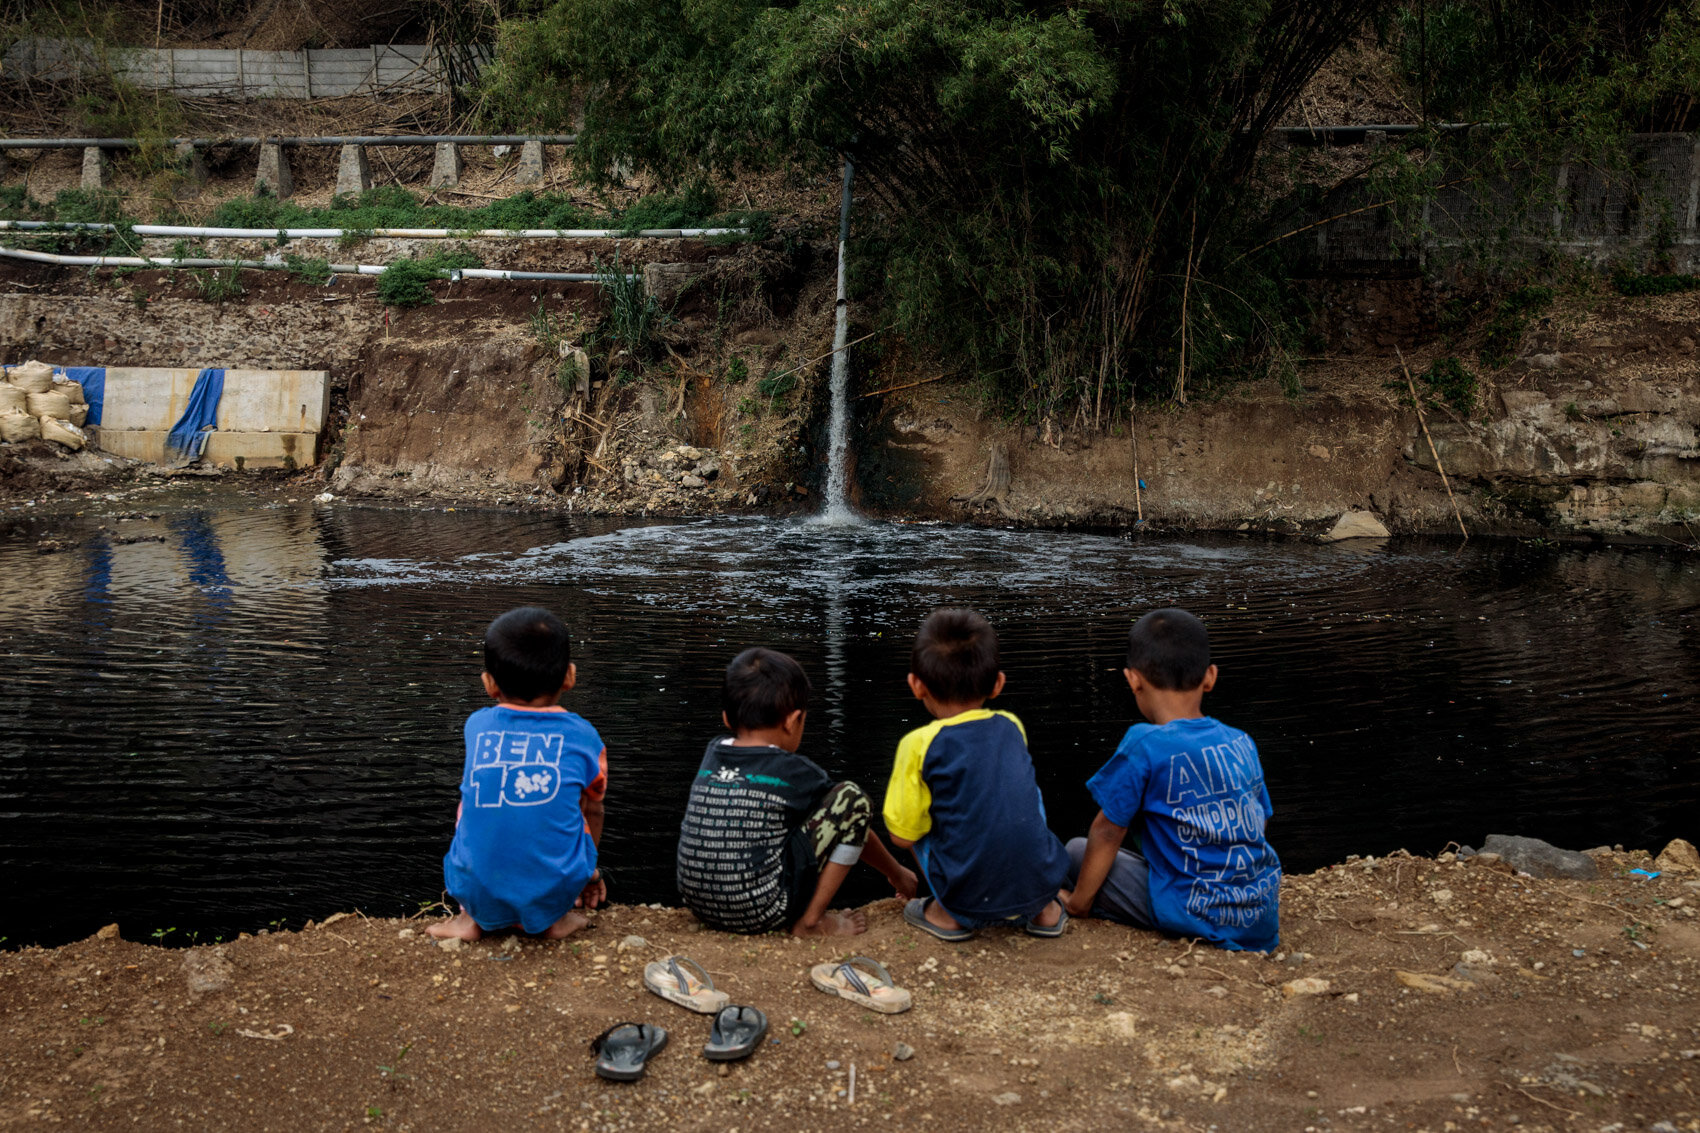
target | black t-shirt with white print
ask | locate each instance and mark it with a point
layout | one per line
(745, 863)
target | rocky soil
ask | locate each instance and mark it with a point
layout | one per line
(1410, 994)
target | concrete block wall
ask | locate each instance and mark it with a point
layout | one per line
(1586, 210)
(268, 418)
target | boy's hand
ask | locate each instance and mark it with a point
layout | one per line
(906, 883)
(1073, 908)
(595, 892)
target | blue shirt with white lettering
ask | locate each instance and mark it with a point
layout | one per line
(521, 853)
(1194, 791)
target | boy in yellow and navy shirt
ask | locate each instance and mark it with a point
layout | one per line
(964, 797)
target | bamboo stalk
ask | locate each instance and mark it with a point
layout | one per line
(1434, 452)
(907, 385)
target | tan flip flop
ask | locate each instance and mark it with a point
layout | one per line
(862, 980)
(668, 979)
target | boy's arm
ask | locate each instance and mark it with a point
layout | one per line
(902, 879)
(1102, 842)
(590, 805)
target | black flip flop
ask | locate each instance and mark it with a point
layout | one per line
(623, 1049)
(737, 1033)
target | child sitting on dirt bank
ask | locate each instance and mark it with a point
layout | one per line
(530, 818)
(963, 794)
(768, 838)
(1196, 788)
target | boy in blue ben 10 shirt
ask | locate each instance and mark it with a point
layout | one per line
(1195, 789)
(964, 796)
(524, 850)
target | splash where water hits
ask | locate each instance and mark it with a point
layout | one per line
(260, 716)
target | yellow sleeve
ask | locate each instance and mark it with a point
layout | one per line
(907, 800)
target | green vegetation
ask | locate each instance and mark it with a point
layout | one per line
(1453, 383)
(219, 285)
(405, 283)
(1074, 199)
(71, 206)
(391, 206)
(1628, 283)
(1504, 331)
(627, 336)
(315, 270)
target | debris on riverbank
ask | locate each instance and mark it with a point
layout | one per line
(1410, 993)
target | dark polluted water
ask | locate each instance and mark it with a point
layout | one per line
(258, 719)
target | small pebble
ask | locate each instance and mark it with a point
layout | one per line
(832, 1064)
(902, 1052)
(1578, 952)
(405, 934)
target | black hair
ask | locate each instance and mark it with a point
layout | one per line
(1169, 648)
(762, 688)
(956, 655)
(527, 652)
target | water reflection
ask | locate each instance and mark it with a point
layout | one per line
(260, 716)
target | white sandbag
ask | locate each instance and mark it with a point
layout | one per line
(13, 399)
(49, 404)
(72, 390)
(15, 427)
(32, 377)
(65, 433)
(79, 415)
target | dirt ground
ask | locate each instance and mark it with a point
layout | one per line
(1447, 996)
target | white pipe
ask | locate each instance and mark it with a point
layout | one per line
(392, 233)
(451, 274)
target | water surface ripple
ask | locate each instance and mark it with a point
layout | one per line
(259, 717)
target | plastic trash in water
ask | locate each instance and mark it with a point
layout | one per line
(1648, 874)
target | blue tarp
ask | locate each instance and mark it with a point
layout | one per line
(93, 381)
(186, 437)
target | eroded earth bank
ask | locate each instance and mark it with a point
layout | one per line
(1590, 429)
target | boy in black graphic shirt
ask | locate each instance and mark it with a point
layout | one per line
(767, 838)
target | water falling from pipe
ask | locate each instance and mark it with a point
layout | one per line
(837, 509)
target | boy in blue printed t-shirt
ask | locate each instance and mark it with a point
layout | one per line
(1195, 789)
(524, 849)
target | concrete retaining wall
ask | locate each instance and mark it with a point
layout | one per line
(266, 418)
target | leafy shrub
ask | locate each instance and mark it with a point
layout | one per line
(777, 385)
(1504, 332)
(406, 283)
(1453, 383)
(1627, 283)
(309, 269)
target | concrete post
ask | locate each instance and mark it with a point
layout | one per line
(353, 174)
(445, 171)
(530, 170)
(193, 167)
(97, 170)
(273, 174)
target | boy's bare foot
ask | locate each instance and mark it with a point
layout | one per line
(1049, 916)
(834, 923)
(566, 926)
(458, 927)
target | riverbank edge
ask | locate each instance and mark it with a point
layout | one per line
(1407, 989)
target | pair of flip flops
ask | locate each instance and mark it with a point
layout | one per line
(915, 913)
(623, 1051)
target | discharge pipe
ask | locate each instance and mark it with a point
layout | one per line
(391, 233)
(451, 274)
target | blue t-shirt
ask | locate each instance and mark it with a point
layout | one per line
(521, 853)
(1199, 787)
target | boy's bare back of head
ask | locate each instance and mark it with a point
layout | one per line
(956, 656)
(527, 653)
(1170, 649)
